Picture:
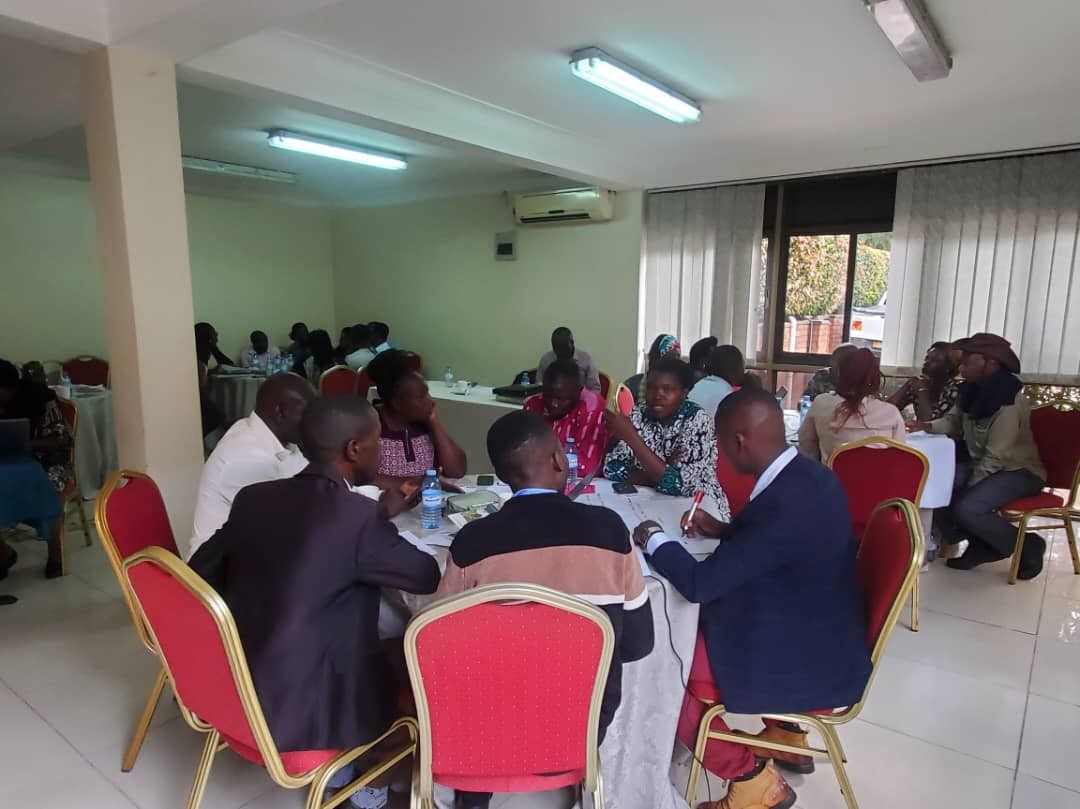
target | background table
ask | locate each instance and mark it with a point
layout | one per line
(940, 451)
(95, 442)
(234, 395)
(467, 419)
(635, 758)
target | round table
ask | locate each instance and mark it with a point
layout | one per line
(940, 451)
(95, 440)
(235, 394)
(635, 757)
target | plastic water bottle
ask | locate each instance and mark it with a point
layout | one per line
(572, 461)
(523, 379)
(448, 376)
(255, 363)
(431, 502)
(804, 408)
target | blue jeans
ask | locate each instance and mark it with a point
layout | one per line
(973, 511)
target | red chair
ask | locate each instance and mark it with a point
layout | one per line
(622, 401)
(737, 487)
(890, 555)
(605, 384)
(71, 493)
(498, 711)
(1056, 429)
(414, 362)
(87, 369)
(339, 379)
(876, 469)
(130, 515)
(364, 383)
(197, 640)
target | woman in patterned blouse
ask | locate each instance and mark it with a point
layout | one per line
(934, 392)
(667, 442)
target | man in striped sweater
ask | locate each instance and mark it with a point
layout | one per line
(542, 537)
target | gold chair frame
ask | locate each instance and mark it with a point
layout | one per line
(1062, 515)
(874, 442)
(316, 779)
(510, 593)
(116, 562)
(825, 724)
(337, 369)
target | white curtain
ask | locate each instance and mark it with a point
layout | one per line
(701, 270)
(988, 246)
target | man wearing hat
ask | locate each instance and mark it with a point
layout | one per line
(993, 417)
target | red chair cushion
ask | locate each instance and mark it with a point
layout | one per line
(872, 475)
(625, 400)
(1041, 500)
(1057, 435)
(884, 556)
(136, 517)
(295, 763)
(338, 380)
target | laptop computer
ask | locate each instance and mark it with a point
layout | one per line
(14, 437)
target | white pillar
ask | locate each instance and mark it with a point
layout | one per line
(133, 140)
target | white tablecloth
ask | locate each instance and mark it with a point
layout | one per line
(95, 441)
(467, 419)
(635, 757)
(941, 453)
(235, 395)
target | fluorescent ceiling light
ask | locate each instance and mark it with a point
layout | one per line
(281, 139)
(237, 170)
(909, 28)
(595, 66)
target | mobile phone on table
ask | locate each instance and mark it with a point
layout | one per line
(485, 480)
(623, 487)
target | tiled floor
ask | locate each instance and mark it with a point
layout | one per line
(979, 710)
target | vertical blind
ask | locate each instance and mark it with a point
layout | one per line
(701, 269)
(988, 246)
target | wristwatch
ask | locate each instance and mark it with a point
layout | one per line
(642, 534)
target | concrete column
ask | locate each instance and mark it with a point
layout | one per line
(133, 140)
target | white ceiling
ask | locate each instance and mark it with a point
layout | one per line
(788, 86)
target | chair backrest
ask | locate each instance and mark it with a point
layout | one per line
(130, 515)
(737, 487)
(624, 400)
(364, 383)
(493, 700)
(605, 384)
(414, 362)
(1057, 435)
(71, 417)
(196, 637)
(87, 369)
(876, 469)
(339, 379)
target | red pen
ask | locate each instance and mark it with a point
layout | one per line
(693, 508)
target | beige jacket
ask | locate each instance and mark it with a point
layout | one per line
(823, 430)
(1001, 443)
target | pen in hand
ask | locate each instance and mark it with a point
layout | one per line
(690, 514)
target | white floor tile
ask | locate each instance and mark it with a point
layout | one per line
(1056, 672)
(78, 786)
(963, 713)
(31, 751)
(1051, 739)
(983, 595)
(1032, 793)
(553, 799)
(1060, 620)
(997, 655)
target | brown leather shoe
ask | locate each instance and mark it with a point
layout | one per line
(792, 762)
(766, 790)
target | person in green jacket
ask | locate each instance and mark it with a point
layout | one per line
(993, 418)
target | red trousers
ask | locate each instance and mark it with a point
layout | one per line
(725, 759)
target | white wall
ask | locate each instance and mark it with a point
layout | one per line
(253, 265)
(428, 269)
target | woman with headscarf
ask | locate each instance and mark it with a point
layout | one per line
(665, 345)
(852, 412)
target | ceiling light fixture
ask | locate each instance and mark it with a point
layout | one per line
(908, 26)
(280, 139)
(597, 67)
(236, 170)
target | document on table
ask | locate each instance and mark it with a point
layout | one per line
(699, 547)
(429, 543)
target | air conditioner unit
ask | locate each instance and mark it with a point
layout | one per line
(571, 205)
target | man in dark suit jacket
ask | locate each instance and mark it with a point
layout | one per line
(782, 607)
(300, 563)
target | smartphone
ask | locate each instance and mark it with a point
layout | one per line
(623, 487)
(485, 480)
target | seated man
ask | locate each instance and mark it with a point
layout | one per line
(260, 351)
(572, 412)
(300, 562)
(379, 337)
(781, 602)
(824, 380)
(563, 348)
(258, 448)
(711, 388)
(993, 417)
(361, 355)
(542, 537)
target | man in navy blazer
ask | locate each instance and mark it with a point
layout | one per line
(782, 608)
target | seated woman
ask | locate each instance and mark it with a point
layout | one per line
(934, 392)
(573, 411)
(667, 442)
(412, 438)
(853, 412)
(665, 345)
(321, 357)
(50, 441)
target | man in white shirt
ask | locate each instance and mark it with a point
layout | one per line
(712, 388)
(259, 448)
(563, 348)
(361, 355)
(379, 337)
(260, 350)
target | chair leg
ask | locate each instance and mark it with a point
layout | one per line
(143, 725)
(202, 772)
(1070, 535)
(598, 793)
(699, 751)
(1021, 531)
(915, 606)
(82, 518)
(837, 756)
